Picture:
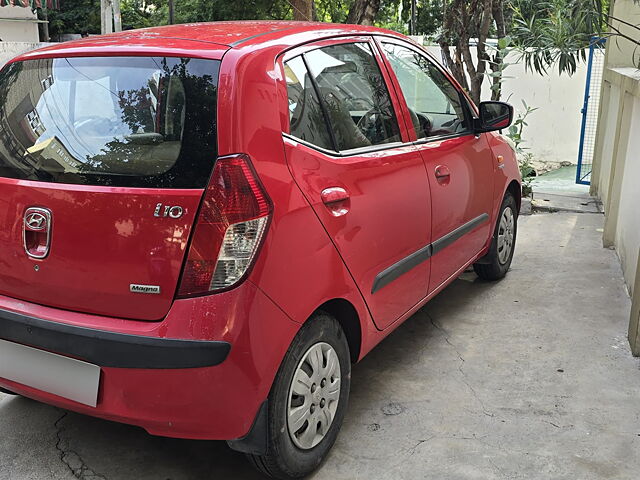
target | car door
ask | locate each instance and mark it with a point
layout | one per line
(352, 160)
(459, 163)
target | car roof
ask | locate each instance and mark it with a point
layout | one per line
(205, 40)
(236, 33)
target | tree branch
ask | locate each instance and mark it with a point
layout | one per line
(622, 35)
(624, 22)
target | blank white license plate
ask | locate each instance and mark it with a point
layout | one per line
(63, 376)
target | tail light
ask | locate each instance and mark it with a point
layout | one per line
(230, 226)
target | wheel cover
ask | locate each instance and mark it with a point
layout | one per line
(314, 395)
(506, 235)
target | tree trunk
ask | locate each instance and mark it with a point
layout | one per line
(454, 63)
(42, 13)
(363, 12)
(414, 17)
(454, 31)
(464, 20)
(496, 62)
(302, 10)
(172, 19)
(485, 15)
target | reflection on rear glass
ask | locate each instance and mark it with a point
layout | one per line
(144, 121)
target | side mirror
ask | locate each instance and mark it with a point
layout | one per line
(494, 116)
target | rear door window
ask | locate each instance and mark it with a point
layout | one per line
(120, 121)
(306, 119)
(354, 95)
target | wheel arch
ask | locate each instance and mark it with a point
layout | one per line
(515, 189)
(255, 441)
(347, 316)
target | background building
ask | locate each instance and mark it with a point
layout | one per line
(616, 169)
(18, 24)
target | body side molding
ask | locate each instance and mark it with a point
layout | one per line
(401, 267)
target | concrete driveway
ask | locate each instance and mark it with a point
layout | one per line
(527, 378)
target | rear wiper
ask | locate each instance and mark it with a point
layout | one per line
(145, 138)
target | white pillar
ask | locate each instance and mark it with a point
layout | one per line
(106, 16)
(117, 18)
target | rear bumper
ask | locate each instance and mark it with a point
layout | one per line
(110, 349)
(201, 373)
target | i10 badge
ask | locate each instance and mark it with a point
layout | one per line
(174, 211)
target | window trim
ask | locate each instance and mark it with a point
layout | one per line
(302, 48)
(468, 113)
(350, 152)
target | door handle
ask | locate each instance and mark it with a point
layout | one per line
(336, 199)
(443, 175)
(442, 172)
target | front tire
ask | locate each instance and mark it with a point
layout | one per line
(496, 263)
(308, 400)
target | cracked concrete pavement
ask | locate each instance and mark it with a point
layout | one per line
(528, 378)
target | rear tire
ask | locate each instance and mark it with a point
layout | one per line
(319, 355)
(496, 263)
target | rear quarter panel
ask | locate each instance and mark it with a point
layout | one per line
(298, 266)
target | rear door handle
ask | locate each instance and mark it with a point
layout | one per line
(442, 174)
(336, 199)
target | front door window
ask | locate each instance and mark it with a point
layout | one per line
(434, 103)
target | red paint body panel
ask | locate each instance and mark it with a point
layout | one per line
(298, 266)
(102, 240)
(388, 211)
(388, 219)
(461, 177)
(308, 256)
(459, 198)
(212, 403)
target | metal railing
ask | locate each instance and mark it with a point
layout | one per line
(595, 68)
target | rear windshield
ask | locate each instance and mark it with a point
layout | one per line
(118, 121)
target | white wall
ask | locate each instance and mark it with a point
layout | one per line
(627, 237)
(18, 24)
(608, 129)
(553, 133)
(624, 53)
(8, 50)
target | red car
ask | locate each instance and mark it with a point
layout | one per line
(204, 226)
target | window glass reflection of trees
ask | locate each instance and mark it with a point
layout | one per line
(111, 116)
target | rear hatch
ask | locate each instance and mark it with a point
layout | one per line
(103, 163)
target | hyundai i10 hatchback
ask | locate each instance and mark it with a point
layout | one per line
(203, 226)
